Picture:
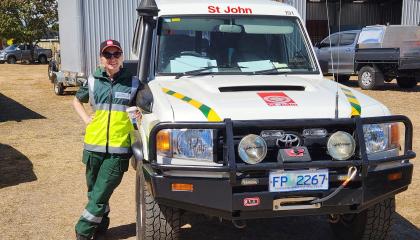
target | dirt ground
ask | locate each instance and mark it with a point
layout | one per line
(42, 185)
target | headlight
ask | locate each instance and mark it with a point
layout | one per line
(381, 137)
(341, 145)
(252, 149)
(195, 144)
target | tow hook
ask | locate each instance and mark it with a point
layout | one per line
(334, 218)
(240, 224)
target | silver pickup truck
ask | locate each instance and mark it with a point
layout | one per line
(15, 52)
(377, 54)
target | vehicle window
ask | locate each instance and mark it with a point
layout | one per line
(347, 38)
(232, 45)
(371, 35)
(21, 47)
(334, 41)
(11, 48)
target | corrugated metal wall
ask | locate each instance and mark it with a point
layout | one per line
(356, 14)
(300, 5)
(410, 12)
(105, 19)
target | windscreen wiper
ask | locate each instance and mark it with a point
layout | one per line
(272, 71)
(201, 71)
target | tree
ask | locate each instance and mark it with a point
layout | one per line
(26, 21)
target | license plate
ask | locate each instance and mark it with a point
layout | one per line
(287, 181)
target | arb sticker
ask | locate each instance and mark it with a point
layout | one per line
(251, 202)
(277, 99)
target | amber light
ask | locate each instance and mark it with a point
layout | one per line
(394, 176)
(163, 142)
(185, 187)
(395, 135)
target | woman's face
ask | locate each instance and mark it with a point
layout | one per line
(111, 59)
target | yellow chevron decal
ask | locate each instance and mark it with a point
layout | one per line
(356, 109)
(208, 112)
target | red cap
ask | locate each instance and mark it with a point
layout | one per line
(110, 43)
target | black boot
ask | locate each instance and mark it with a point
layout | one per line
(99, 236)
(81, 237)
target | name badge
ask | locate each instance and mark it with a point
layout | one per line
(122, 95)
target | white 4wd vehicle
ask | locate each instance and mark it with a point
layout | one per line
(239, 123)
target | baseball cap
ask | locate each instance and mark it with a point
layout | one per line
(110, 43)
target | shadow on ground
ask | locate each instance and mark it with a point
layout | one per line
(121, 232)
(10, 110)
(291, 228)
(15, 168)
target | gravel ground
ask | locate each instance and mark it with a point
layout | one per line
(42, 185)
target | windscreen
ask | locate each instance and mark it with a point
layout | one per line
(11, 48)
(232, 45)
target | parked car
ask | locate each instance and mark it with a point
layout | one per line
(377, 54)
(343, 45)
(22, 52)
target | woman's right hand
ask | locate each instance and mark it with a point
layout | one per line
(88, 119)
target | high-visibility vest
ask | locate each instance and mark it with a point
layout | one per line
(110, 128)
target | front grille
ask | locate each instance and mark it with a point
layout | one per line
(317, 146)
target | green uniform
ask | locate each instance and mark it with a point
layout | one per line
(107, 144)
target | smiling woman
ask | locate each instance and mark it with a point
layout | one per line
(107, 145)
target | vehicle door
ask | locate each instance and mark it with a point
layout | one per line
(26, 52)
(19, 52)
(324, 52)
(346, 50)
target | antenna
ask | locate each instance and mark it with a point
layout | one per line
(338, 62)
(331, 54)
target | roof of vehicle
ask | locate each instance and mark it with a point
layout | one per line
(225, 7)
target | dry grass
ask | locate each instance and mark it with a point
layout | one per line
(42, 185)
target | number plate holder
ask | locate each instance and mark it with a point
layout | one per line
(299, 180)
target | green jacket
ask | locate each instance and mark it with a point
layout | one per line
(110, 128)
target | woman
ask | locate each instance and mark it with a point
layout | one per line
(110, 91)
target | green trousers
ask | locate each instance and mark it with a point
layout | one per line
(103, 174)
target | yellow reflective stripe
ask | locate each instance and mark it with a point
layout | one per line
(208, 112)
(356, 109)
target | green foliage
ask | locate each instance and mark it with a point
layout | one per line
(27, 21)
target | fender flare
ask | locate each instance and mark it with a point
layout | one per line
(137, 148)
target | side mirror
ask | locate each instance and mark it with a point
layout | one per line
(144, 98)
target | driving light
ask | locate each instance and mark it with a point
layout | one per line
(341, 145)
(252, 149)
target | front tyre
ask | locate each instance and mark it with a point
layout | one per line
(373, 223)
(42, 59)
(154, 221)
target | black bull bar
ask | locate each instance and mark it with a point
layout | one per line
(232, 167)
